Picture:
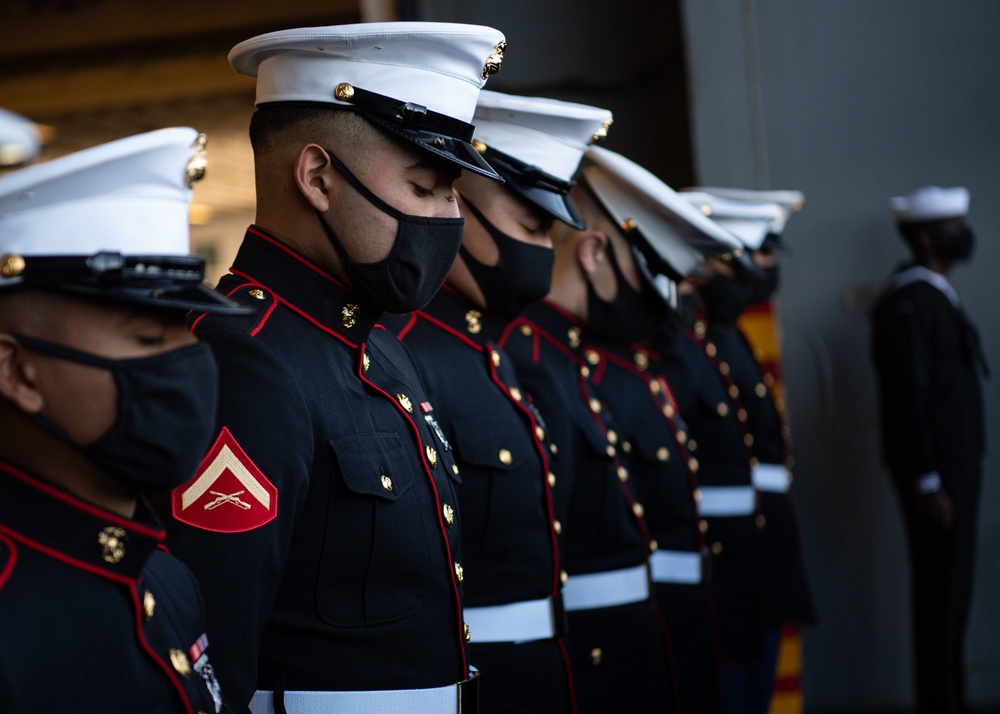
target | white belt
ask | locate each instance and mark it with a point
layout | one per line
(513, 622)
(771, 477)
(726, 500)
(607, 589)
(675, 566)
(439, 700)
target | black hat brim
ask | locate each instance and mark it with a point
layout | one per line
(449, 148)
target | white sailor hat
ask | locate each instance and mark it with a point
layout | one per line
(931, 203)
(110, 222)
(536, 145)
(19, 142)
(417, 80)
(671, 234)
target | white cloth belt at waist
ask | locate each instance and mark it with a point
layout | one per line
(675, 566)
(726, 500)
(513, 622)
(439, 700)
(607, 589)
(771, 477)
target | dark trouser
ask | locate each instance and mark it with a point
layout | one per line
(941, 562)
(690, 616)
(748, 689)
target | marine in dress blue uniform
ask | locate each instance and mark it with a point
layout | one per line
(325, 520)
(512, 590)
(94, 270)
(929, 362)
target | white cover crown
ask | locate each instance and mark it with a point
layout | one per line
(547, 133)
(434, 64)
(678, 231)
(128, 196)
(931, 203)
(750, 221)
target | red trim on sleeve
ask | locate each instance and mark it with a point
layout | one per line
(8, 567)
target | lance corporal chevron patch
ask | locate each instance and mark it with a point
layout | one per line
(228, 494)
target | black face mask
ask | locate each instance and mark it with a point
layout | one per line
(633, 314)
(955, 247)
(522, 276)
(166, 413)
(417, 265)
(724, 299)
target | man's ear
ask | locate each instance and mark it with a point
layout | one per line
(592, 251)
(313, 172)
(18, 376)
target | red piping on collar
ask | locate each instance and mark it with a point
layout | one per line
(63, 558)
(300, 258)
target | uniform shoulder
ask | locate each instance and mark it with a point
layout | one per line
(260, 301)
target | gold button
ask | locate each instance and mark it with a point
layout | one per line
(343, 91)
(526, 330)
(612, 436)
(349, 314)
(693, 465)
(692, 445)
(637, 509)
(696, 495)
(668, 411)
(553, 448)
(595, 655)
(734, 391)
(681, 437)
(468, 634)
(432, 455)
(557, 527)
(539, 433)
(505, 457)
(404, 401)
(627, 447)
(663, 454)
(641, 361)
(760, 390)
(258, 294)
(595, 405)
(769, 379)
(700, 328)
(622, 474)
(748, 439)
(724, 367)
(180, 662)
(454, 469)
(11, 266)
(585, 371)
(592, 357)
(495, 356)
(386, 483)
(573, 335)
(449, 515)
(459, 572)
(479, 146)
(515, 393)
(610, 451)
(653, 545)
(563, 576)
(551, 479)
(654, 387)
(703, 525)
(148, 605)
(716, 548)
(741, 414)
(112, 542)
(760, 520)
(722, 408)
(366, 362)
(711, 349)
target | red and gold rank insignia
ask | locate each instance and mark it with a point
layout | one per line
(228, 494)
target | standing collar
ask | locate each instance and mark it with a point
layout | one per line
(562, 328)
(303, 286)
(76, 532)
(454, 313)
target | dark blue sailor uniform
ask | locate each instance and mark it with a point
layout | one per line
(94, 615)
(928, 359)
(727, 500)
(508, 525)
(787, 598)
(617, 639)
(664, 470)
(324, 525)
